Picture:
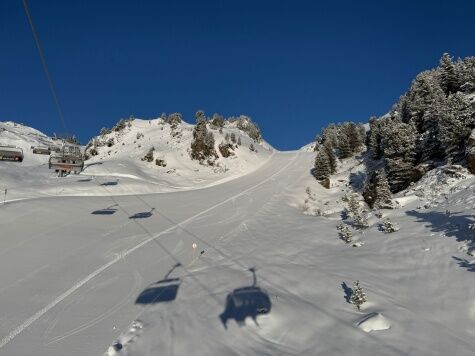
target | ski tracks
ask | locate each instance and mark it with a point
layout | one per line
(32, 319)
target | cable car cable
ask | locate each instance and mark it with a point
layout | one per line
(44, 64)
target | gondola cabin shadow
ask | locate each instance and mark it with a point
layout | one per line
(165, 290)
(246, 302)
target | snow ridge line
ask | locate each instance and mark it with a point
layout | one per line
(19, 329)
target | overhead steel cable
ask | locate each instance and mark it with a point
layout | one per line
(45, 65)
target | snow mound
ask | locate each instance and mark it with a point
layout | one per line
(374, 322)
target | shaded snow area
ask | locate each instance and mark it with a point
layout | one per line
(235, 268)
(121, 167)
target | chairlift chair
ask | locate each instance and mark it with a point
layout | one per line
(39, 150)
(11, 153)
(69, 159)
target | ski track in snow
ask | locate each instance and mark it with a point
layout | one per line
(28, 322)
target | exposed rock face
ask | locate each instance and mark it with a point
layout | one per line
(325, 183)
(471, 152)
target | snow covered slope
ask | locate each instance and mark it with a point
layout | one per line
(171, 144)
(157, 273)
(24, 137)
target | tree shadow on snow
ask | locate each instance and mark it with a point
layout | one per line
(462, 262)
(244, 302)
(452, 225)
(142, 215)
(313, 172)
(348, 292)
(357, 181)
(165, 290)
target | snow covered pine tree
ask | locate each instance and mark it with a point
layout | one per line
(358, 297)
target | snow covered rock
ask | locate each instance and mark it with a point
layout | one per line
(374, 322)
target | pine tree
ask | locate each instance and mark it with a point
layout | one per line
(383, 191)
(322, 165)
(344, 148)
(399, 141)
(331, 156)
(448, 76)
(455, 124)
(355, 141)
(353, 205)
(374, 138)
(358, 214)
(358, 297)
(202, 146)
(369, 190)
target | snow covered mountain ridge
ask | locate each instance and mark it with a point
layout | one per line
(151, 155)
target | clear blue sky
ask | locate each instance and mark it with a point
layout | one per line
(293, 66)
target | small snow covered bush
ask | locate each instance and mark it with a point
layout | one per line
(110, 142)
(149, 156)
(358, 297)
(226, 149)
(217, 122)
(346, 234)
(161, 162)
(388, 226)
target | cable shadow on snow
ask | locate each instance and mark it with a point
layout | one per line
(244, 302)
(162, 291)
(92, 164)
(142, 215)
(110, 183)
